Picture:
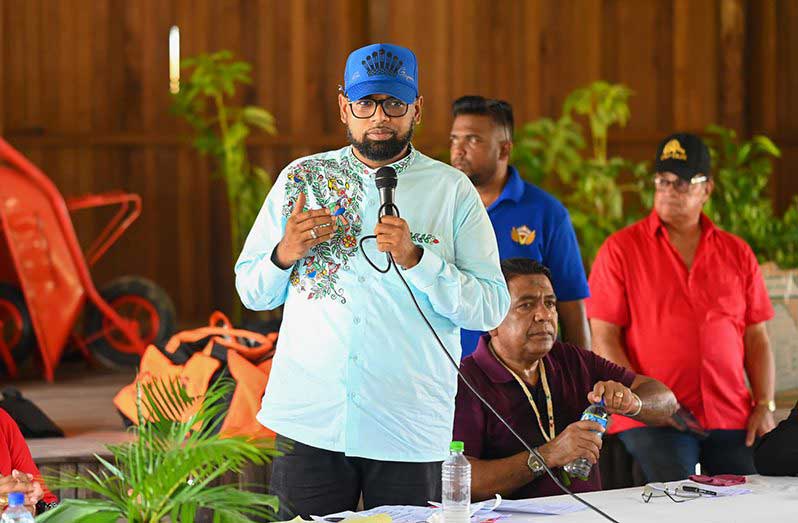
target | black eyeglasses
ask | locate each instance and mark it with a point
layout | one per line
(366, 107)
(677, 495)
(679, 185)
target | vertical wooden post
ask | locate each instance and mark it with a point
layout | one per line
(763, 69)
(732, 88)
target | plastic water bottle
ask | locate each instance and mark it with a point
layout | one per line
(580, 467)
(456, 480)
(16, 511)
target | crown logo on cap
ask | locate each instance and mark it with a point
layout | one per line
(382, 63)
(673, 149)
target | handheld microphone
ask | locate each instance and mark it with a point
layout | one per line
(385, 179)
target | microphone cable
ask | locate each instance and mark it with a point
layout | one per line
(532, 450)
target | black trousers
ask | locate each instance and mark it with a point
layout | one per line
(312, 481)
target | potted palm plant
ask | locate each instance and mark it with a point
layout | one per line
(170, 472)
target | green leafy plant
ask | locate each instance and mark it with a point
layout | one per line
(602, 194)
(741, 204)
(605, 194)
(169, 472)
(206, 102)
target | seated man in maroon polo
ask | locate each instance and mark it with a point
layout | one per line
(541, 386)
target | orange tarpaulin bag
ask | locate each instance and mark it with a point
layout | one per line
(199, 357)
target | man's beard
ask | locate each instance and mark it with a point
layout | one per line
(381, 150)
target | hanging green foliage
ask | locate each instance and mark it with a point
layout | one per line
(221, 128)
(603, 194)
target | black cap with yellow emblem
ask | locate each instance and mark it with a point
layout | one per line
(684, 155)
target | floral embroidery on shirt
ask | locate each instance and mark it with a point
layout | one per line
(337, 185)
(427, 239)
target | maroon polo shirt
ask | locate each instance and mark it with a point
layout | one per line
(571, 373)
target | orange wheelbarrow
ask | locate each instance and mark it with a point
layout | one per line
(45, 283)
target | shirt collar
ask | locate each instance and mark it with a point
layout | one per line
(486, 361)
(400, 165)
(513, 188)
(654, 224)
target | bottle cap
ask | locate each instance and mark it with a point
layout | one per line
(16, 499)
(457, 446)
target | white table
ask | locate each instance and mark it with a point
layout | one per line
(772, 500)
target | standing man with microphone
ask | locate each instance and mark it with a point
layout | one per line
(360, 393)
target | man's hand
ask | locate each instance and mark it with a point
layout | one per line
(34, 489)
(304, 230)
(760, 422)
(8, 485)
(618, 398)
(21, 482)
(393, 235)
(579, 440)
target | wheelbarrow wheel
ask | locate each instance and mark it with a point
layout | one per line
(135, 299)
(16, 328)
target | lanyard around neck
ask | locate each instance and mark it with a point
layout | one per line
(549, 406)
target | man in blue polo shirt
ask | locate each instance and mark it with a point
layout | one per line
(528, 222)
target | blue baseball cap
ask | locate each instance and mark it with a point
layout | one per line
(381, 69)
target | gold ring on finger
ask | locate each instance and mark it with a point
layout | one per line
(619, 394)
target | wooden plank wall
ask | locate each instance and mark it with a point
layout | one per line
(84, 91)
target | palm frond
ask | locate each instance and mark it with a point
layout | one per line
(171, 468)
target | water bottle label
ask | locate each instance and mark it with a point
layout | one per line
(592, 417)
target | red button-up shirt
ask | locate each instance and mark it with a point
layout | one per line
(684, 328)
(14, 454)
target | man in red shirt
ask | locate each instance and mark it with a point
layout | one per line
(18, 472)
(679, 300)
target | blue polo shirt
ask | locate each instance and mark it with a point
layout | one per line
(531, 223)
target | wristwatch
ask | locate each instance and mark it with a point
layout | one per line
(771, 405)
(535, 465)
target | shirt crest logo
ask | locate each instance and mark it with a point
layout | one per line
(523, 235)
(673, 149)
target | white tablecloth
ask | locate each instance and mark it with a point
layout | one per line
(772, 500)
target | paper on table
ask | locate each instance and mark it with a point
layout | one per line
(527, 506)
(369, 516)
(733, 490)
(534, 506)
(475, 507)
(404, 514)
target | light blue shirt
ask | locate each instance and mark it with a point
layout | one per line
(356, 369)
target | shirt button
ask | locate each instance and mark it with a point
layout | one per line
(357, 320)
(371, 202)
(361, 279)
(353, 396)
(353, 358)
